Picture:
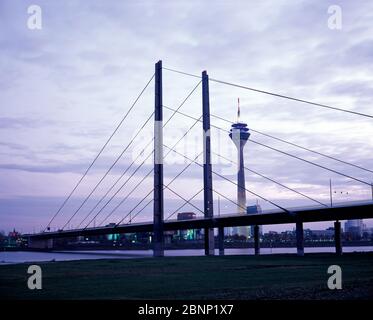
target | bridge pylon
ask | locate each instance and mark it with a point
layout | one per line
(158, 208)
(207, 168)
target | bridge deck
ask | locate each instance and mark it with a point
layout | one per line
(359, 210)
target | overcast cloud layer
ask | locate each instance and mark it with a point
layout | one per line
(64, 88)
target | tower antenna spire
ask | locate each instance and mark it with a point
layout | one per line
(238, 110)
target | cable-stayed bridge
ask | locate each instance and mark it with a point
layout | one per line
(208, 221)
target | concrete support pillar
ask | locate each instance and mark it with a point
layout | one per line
(337, 238)
(221, 241)
(256, 240)
(40, 243)
(300, 238)
(50, 243)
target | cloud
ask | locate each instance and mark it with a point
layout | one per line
(42, 169)
(13, 146)
(16, 123)
(359, 88)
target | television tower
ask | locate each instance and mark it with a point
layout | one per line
(239, 133)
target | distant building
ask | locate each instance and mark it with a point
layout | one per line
(319, 235)
(14, 239)
(254, 210)
(272, 233)
(354, 228)
(14, 234)
(328, 233)
(190, 234)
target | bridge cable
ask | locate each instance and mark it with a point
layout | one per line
(99, 153)
(108, 171)
(181, 197)
(185, 100)
(115, 183)
(234, 202)
(221, 176)
(182, 171)
(167, 186)
(298, 146)
(179, 174)
(141, 210)
(272, 180)
(185, 203)
(120, 188)
(283, 152)
(310, 162)
(147, 195)
(126, 197)
(191, 117)
(169, 119)
(275, 94)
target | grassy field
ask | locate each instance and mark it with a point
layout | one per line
(229, 277)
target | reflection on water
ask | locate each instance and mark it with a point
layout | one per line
(27, 256)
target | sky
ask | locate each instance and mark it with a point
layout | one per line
(65, 87)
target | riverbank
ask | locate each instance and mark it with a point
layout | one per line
(227, 277)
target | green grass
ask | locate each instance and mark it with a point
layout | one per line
(229, 277)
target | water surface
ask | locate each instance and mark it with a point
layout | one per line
(29, 256)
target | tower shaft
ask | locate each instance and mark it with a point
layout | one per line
(239, 134)
(241, 189)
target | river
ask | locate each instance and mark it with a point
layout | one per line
(13, 257)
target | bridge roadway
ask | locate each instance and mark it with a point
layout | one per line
(346, 211)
